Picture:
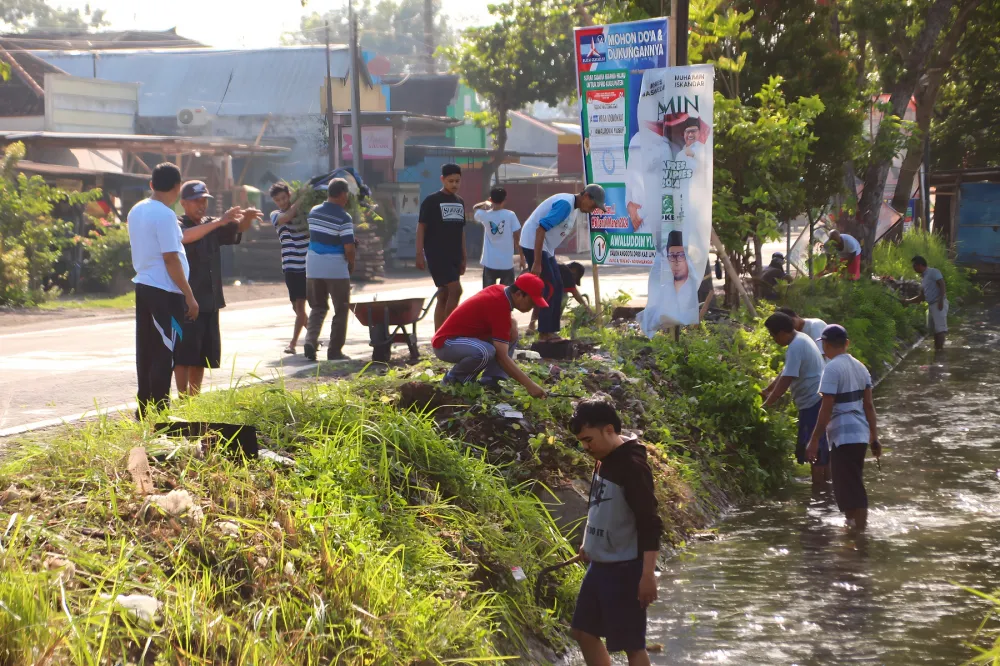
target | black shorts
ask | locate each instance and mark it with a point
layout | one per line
(444, 271)
(296, 283)
(201, 345)
(807, 423)
(608, 605)
(847, 464)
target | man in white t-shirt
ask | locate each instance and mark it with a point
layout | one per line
(163, 297)
(501, 236)
(543, 232)
(812, 327)
(801, 373)
(849, 250)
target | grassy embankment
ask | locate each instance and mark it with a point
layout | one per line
(391, 539)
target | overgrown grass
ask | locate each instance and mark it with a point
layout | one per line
(392, 539)
(875, 318)
(390, 544)
(896, 261)
(123, 302)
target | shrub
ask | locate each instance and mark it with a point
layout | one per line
(895, 260)
(108, 252)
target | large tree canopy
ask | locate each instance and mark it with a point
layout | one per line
(525, 56)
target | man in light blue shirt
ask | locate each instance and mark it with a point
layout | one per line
(847, 415)
(542, 233)
(329, 264)
(932, 290)
(802, 372)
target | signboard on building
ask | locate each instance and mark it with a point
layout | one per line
(610, 61)
(75, 104)
(376, 143)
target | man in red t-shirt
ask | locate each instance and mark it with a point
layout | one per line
(480, 334)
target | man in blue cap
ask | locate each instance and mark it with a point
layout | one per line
(201, 344)
(847, 415)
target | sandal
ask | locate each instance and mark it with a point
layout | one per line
(289, 349)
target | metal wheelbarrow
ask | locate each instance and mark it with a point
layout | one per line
(387, 323)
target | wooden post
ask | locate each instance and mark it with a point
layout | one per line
(720, 250)
(246, 164)
(597, 294)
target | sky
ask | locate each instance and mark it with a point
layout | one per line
(240, 24)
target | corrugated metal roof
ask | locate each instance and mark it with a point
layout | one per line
(283, 81)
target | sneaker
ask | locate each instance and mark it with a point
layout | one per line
(337, 356)
(309, 351)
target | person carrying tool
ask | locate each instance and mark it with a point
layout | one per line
(847, 416)
(621, 540)
(932, 290)
(480, 335)
(201, 346)
(803, 368)
(543, 232)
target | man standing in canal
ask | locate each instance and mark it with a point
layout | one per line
(932, 290)
(801, 373)
(847, 416)
(441, 241)
(163, 297)
(201, 346)
(621, 539)
(543, 232)
(329, 264)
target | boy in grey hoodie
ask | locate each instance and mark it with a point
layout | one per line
(621, 540)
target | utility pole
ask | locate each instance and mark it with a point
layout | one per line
(334, 158)
(681, 33)
(429, 36)
(355, 91)
(926, 193)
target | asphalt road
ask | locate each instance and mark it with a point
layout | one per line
(62, 369)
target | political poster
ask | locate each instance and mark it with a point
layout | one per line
(610, 61)
(669, 186)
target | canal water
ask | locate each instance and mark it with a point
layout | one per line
(785, 584)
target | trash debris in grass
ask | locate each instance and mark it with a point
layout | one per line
(175, 504)
(289, 569)
(268, 454)
(508, 412)
(141, 606)
(527, 355)
(228, 528)
(66, 568)
(518, 574)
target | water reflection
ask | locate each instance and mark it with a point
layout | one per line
(785, 584)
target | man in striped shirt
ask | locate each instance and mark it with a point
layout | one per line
(294, 243)
(847, 415)
(329, 264)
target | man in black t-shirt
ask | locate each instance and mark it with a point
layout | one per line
(441, 241)
(200, 345)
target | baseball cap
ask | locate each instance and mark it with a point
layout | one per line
(533, 286)
(596, 192)
(833, 333)
(195, 189)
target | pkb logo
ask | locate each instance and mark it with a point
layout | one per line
(599, 248)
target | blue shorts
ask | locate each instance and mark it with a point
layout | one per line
(608, 605)
(807, 423)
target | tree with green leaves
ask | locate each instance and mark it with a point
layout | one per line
(525, 56)
(763, 141)
(967, 113)
(391, 28)
(31, 238)
(23, 15)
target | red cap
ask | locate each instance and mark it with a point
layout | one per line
(533, 286)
